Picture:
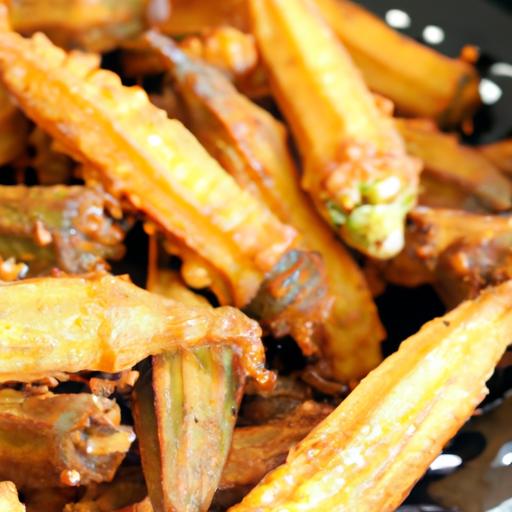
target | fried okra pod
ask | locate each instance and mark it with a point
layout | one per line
(156, 164)
(66, 439)
(460, 253)
(419, 80)
(69, 228)
(185, 406)
(373, 448)
(97, 25)
(138, 153)
(251, 145)
(356, 168)
(105, 323)
(445, 159)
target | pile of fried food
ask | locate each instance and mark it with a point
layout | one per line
(183, 117)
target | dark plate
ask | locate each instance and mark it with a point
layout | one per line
(475, 472)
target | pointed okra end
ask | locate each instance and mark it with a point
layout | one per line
(374, 228)
(185, 408)
(367, 197)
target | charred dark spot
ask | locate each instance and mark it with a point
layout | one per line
(293, 297)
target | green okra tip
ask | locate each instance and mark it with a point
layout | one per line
(374, 229)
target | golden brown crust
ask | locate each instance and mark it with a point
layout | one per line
(419, 80)
(446, 159)
(60, 440)
(252, 146)
(355, 165)
(105, 323)
(372, 449)
(500, 154)
(137, 153)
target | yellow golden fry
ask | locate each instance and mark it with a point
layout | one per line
(94, 25)
(446, 159)
(355, 165)
(9, 501)
(370, 451)
(105, 323)
(500, 154)
(138, 153)
(420, 81)
(251, 145)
